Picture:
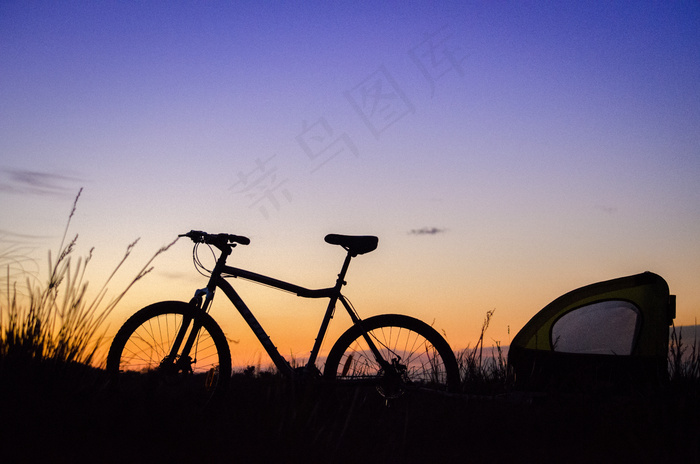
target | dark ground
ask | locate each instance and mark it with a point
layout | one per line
(267, 419)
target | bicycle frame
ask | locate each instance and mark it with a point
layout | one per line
(217, 280)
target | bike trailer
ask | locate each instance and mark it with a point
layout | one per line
(610, 335)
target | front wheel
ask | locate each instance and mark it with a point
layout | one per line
(142, 360)
(413, 355)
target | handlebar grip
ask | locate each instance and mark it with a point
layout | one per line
(239, 239)
(195, 235)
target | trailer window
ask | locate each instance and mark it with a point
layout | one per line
(607, 327)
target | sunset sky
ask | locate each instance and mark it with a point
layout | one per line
(504, 153)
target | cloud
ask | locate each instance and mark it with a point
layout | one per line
(427, 231)
(607, 209)
(22, 181)
(7, 236)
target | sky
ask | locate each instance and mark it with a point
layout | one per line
(504, 153)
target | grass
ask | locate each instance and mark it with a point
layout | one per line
(684, 365)
(55, 406)
(483, 375)
(56, 323)
(266, 418)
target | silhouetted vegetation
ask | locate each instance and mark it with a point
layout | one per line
(484, 374)
(264, 417)
(57, 322)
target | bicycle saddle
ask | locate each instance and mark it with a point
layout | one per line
(355, 244)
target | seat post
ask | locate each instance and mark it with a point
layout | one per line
(341, 277)
(331, 309)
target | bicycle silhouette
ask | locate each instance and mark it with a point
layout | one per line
(173, 345)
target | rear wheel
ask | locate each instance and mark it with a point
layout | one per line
(140, 360)
(415, 356)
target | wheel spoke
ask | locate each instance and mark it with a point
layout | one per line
(414, 355)
(146, 340)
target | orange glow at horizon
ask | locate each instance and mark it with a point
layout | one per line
(292, 322)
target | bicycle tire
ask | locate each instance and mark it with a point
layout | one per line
(425, 358)
(144, 341)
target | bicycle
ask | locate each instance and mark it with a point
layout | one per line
(178, 346)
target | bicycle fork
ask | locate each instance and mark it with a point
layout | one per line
(181, 361)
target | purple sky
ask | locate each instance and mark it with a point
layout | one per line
(544, 146)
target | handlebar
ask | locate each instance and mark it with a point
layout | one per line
(197, 236)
